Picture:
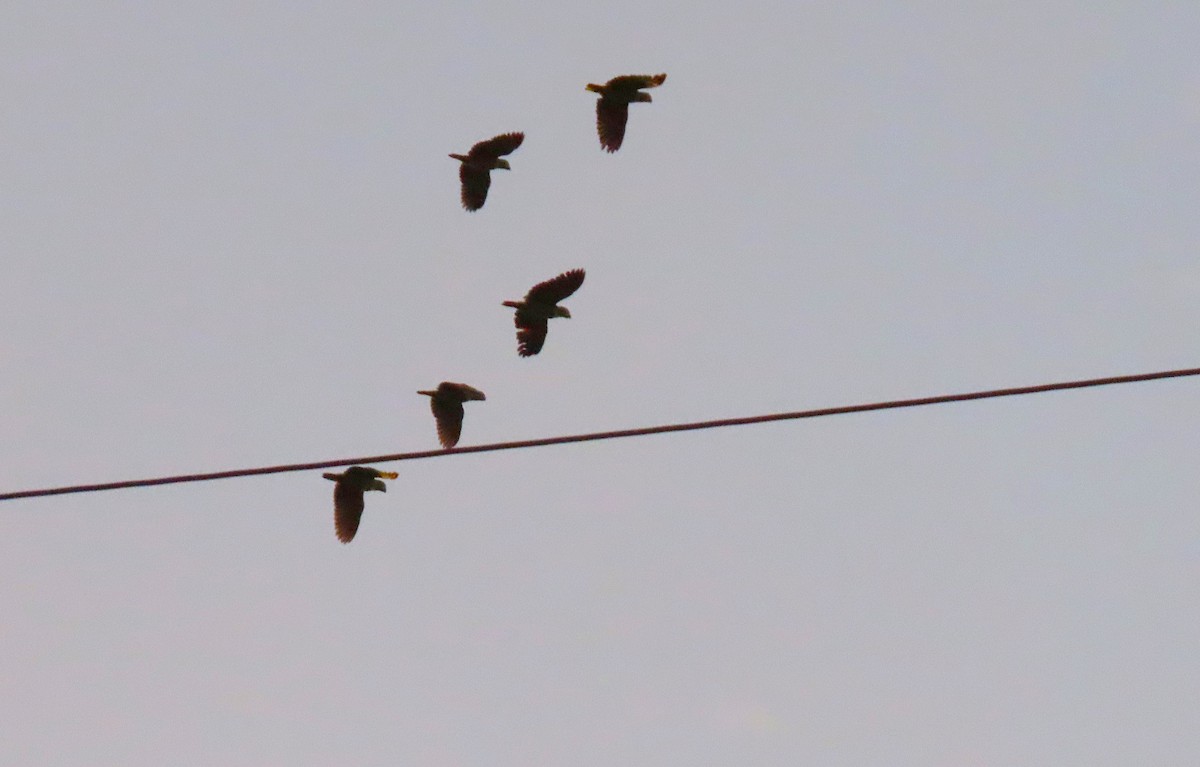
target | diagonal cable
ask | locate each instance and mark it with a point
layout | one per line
(619, 434)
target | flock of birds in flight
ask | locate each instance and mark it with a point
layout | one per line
(540, 305)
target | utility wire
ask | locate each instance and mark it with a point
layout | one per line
(890, 405)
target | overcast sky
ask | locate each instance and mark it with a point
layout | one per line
(231, 237)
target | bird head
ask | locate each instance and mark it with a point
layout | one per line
(377, 484)
(459, 157)
(502, 164)
(642, 96)
(562, 311)
(427, 393)
(469, 393)
(594, 88)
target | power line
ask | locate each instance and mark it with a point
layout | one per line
(818, 413)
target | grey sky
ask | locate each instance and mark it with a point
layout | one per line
(231, 237)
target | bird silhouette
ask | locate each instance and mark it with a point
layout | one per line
(446, 402)
(475, 172)
(348, 496)
(612, 108)
(541, 304)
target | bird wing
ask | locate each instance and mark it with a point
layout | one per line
(531, 334)
(475, 183)
(611, 116)
(630, 83)
(449, 417)
(555, 289)
(347, 511)
(505, 143)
